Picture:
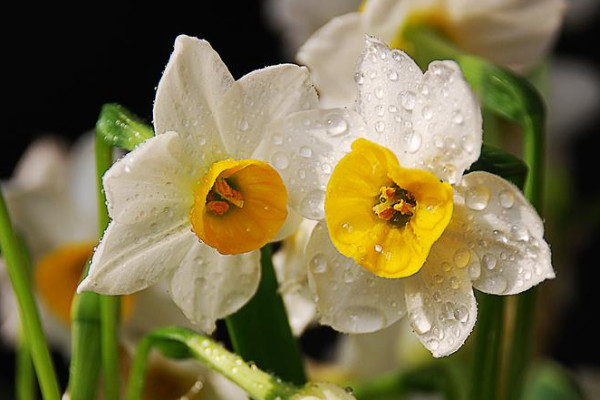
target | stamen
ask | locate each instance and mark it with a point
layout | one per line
(221, 196)
(395, 205)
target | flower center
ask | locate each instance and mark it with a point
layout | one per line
(435, 18)
(239, 206)
(384, 216)
(221, 196)
(57, 276)
(395, 205)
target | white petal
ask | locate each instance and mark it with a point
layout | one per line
(154, 181)
(384, 18)
(447, 121)
(82, 178)
(298, 19)
(513, 34)
(331, 54)
(387, 87)
(493, 218)
(42, 166)
(304, 149)
(290, 226)
(259, 98)
(349, 298)
(440, 301)
(290, 269)
(208, 286)
(152, 308)
(188, 95)
(131, 257)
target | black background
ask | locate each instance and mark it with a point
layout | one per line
(62, 63)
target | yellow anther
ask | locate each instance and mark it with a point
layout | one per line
(217, 207)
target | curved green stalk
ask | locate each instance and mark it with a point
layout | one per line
(517, 100)
(255, 382)
(109, 305)
(260, 331)
(30, 319)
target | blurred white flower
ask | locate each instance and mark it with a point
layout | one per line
(195, 203)
(435, 232)
(52, 201)
(513, 33)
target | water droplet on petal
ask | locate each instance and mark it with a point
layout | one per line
(413, 140)
(380, 126)
(305, 151)
(457, 117)
(462, 257)
(427, 113)
(408, 100)
(318, 264)
(312, 204)
(477, 197)
(419, 321)
(337, 126)
(393, 76)
(461, 313)
(360, 319)
(507, 199)
(494, 284)
(280, 160)
(359, 78)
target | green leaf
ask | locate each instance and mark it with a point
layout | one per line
(499, 162)
(260, 331)
(119, 127)
(551, 382)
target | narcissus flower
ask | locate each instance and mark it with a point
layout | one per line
(195, 203)
(51, 198)
(512, 33)
(401, 230)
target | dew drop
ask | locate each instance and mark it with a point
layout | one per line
(457, 117)
(379, 92)
(318, 264)
(360, 319)
(433, 344)
(427, 113)
(519, 233)
(280, 160)
(393, 76)
(506, 198)
(380, 110)
(474, 270)
(419, 322)
(359, 78)
(312, 204)
(489, 261)
(408, 100)
(461, 313)
(380, 126)
(446, 266)
(305, 151)
(277, 140)
(454, 283)
(413, 141)
(477, 197)
(462, 257)
(378, 248)
(495, 284)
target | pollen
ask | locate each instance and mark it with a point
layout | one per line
(239, 206)
(395, 205)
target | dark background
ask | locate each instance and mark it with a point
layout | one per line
(62, 63)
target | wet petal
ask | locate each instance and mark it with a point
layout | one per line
(440, 301)
(387, 86)
(497, 223)
(131, 257)
(349, 298)
(208, 286)
(155, 181)
(447, 120)
(305, 148)
(331, 53)
(188, 95)
(259, 98)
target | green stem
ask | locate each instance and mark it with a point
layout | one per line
(255, 382)
(260, 331)
(517, 100)
(28, 312)
(488, 342)
(85, 344)
(26, 383)
(109, 305)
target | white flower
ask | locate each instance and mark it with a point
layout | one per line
(512, 33)
(52, 202)
(289, 265)
(298, 19)
(401, 230)
(195, 203)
